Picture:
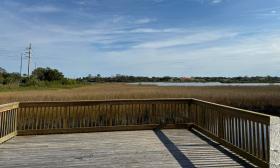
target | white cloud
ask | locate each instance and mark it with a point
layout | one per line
(113, 31)
(255, 55)
(195, 38)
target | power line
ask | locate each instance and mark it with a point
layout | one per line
(29, 53)
(20, 64)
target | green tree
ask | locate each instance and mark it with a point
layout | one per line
(11, 78)
(47, 74)
(39, 73)
(2, 70)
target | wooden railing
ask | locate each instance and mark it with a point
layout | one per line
(244, 132)
(253, 136)
(8, 121)
(85, 116)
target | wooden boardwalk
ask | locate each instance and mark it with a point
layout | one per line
(162, 148)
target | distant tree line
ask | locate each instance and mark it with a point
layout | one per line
(52, 77)
(39, 77)
(241, 79)
(125, 78)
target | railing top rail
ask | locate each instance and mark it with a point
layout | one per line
(93, 102)
(237, 111)
(9, 106)
(233, 108)
(118, 101)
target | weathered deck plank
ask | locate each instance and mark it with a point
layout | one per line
(166, 148)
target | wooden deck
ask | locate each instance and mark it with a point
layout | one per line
(162, 148)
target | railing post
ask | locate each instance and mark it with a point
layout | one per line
(220, 125)
(16, 118)
(274, 139)
(153, 112)
(202, 115)
(190, 111)
(65, 117)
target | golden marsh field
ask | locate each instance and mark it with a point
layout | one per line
(258, 98)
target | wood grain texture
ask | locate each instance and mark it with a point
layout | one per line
(114, 149)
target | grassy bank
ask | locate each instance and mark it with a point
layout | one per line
(258, 98)
(14, 88)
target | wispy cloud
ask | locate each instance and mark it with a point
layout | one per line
(145, 20)
(190, 39)
(153, 30)
(41, 9)
(158, 1)
(115, 31)
(265, 13)
(208, 1)
(18, 6)
(243, 55)
(216, 1)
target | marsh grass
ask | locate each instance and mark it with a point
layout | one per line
(258, 98)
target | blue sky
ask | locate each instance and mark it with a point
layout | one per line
(143, 37)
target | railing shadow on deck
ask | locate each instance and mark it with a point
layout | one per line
(223, 150)
(252, 135)
(186, 162)
(181, 158)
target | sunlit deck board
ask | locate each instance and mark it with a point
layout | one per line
(166, 148)
(192, 148)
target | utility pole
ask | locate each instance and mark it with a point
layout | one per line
(29, 53)
(20, 64)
